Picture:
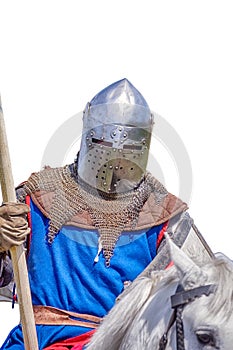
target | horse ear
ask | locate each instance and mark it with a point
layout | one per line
(189, 272)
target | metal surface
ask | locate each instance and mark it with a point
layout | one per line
(117, 126)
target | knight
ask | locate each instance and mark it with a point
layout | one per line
(95, 224)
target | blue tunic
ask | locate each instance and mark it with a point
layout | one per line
(64, 274)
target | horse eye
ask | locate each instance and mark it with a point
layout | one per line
(205, 338)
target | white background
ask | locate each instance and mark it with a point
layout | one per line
(56, 55)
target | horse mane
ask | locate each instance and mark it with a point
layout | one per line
(119, 319)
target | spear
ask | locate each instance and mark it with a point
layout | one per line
(17, 252)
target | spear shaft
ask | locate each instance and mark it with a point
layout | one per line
(17, 252)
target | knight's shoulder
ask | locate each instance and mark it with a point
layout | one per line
(46, 170)
(46, 180)
(160, 205)
(162, 201)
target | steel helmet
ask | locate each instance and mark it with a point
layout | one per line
(117, 127)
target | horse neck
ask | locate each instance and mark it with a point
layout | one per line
(150, 324)
(158, 309)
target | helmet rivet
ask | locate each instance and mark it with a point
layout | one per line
(110, 166)
(120, 129)
(116, 167)
(105, 183)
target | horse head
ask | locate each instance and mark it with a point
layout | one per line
(202, 303)
(202, 295)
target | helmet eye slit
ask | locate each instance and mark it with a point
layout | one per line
(101, 142)
(133, 147)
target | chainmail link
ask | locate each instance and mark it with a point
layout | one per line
(110, 213)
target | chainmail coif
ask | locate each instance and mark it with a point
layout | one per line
(110, 213)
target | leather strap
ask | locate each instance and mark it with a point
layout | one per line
(186, 296)
(48, 315)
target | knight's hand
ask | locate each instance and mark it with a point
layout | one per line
(13, 225)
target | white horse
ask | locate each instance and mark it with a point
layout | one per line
(201, 317)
